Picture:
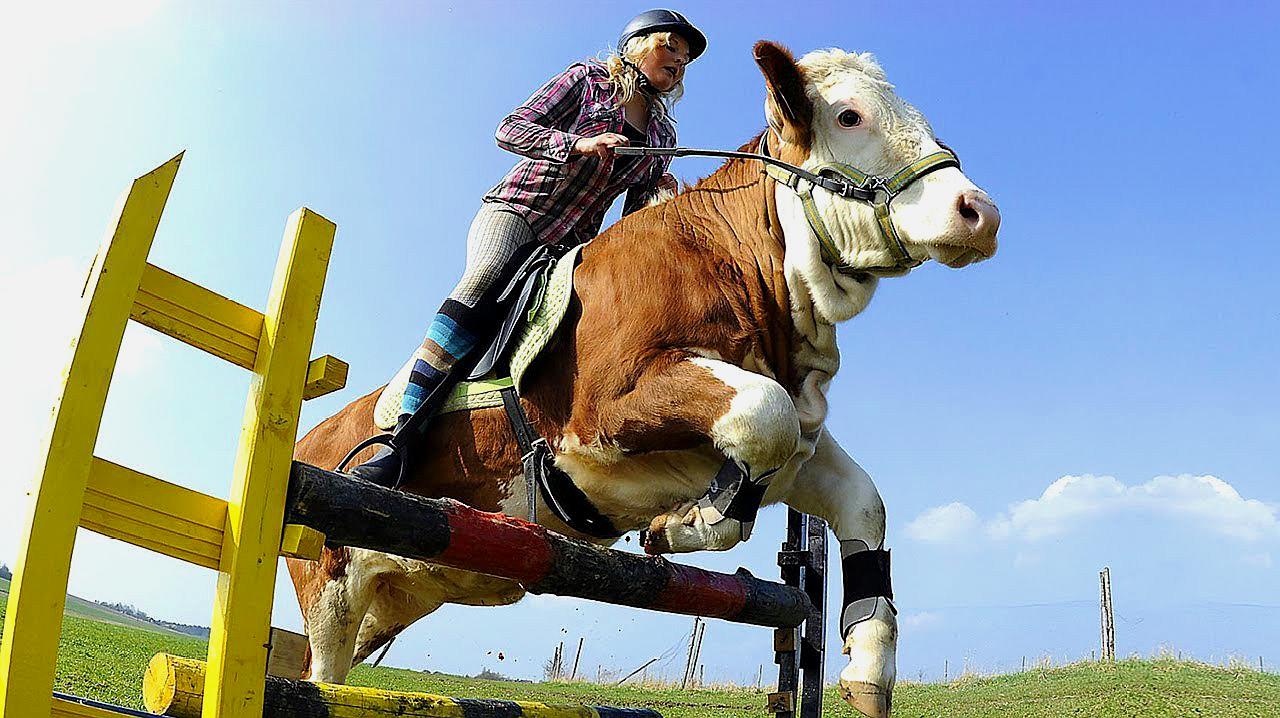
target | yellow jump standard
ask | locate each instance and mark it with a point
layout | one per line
(239, 537)
(174, 687)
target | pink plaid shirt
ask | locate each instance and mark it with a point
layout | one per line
(564, 197)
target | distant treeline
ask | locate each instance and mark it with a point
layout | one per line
(133, 612)
(5, 573)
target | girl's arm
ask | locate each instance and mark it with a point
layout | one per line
(538, 129)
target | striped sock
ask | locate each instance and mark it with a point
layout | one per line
(448, 340)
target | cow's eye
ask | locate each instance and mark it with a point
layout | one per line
(849, 118)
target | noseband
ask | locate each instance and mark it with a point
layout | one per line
(838, 178)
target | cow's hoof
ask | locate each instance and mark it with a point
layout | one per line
(654, 539)
(868, 699)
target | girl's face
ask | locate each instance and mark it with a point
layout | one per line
(664, 65)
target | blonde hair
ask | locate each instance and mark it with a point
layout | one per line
(625, 75)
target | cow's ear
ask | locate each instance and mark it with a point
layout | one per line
(789, 110)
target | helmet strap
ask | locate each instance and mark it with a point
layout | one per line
(642, 80)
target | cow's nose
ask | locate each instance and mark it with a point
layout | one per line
(981, 217)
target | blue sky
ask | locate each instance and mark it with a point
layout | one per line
(1103, 392)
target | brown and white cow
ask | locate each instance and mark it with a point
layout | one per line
(703, 328)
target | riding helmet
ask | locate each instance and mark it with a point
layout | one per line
(652, 21)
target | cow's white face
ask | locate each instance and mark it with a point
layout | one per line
(858, 119)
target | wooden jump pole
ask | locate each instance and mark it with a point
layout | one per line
(174, 687)
(357, 513)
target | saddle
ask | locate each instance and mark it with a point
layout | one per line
(537, 300)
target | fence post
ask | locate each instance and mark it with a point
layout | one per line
(1108, 629)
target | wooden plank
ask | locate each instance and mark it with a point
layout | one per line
(37, 596)
(197, 316)
(220, 326)
(172, 687)
(287, 657)
(325, 375)
(145, 511)
(301, 542)
(240, 629)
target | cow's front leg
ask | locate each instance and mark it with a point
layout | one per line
(748, 418)
(757, 433)
(831, 485)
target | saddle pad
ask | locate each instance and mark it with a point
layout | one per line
(466, 396)
(546, 318)
(534, 336)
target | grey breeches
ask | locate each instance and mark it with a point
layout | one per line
(496, 233)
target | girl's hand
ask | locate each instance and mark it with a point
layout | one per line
(601, 145)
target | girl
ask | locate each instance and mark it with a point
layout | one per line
(559, 192)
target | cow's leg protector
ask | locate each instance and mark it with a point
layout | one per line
(831, 485)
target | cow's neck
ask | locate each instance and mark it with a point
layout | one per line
(762, 226)
(732, 211)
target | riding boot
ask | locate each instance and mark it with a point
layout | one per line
(450, 339)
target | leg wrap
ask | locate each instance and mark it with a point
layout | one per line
(866, 582)
(734, 495)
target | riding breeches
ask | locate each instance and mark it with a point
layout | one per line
(496, 234)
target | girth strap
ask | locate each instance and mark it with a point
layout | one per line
(563, 497)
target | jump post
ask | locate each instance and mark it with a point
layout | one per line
(280, 507)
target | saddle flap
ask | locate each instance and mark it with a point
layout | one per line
(524, 294)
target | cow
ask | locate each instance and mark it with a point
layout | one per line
(701, 334)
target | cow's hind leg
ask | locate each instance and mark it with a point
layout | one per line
(831, 485)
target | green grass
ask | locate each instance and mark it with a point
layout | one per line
(105, 661)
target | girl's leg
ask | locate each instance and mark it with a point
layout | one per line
(495, 235)
(462, 321)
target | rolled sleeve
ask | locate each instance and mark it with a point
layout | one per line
(538, 129)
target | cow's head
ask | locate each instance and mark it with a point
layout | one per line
(836, 107)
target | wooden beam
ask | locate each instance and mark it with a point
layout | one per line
(240, 630)
(154, 514)
(351, 512)
(197, 316)
(325, 375)
(173, 686)
(219, 326)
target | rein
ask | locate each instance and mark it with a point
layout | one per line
(838, 178)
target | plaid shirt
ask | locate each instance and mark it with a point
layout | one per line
(564, 197)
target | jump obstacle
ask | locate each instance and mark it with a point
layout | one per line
(279, 507)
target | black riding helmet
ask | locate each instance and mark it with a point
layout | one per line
(653, 21)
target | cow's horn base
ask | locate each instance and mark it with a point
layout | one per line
(868, 699)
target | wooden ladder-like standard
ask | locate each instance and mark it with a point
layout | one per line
(240, 538)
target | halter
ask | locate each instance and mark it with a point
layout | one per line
(840, 179)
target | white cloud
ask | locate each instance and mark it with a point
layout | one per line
(1066, 502)
(945, 524)
(921, 620)
(1206, 503)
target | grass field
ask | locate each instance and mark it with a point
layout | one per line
(106, 660)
